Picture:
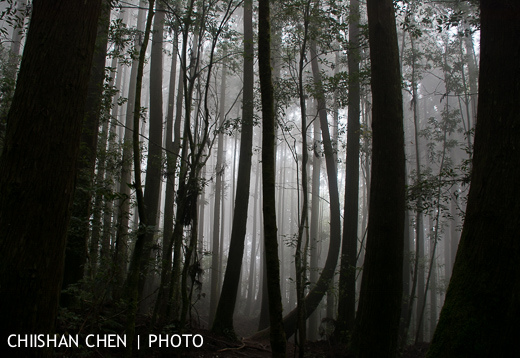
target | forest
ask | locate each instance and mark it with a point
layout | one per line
(229, 178)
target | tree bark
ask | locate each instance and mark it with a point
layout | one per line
(277, 334)
(377, 322)
(482, 308)
(172, 151)
(155, 154)
(347, 275)
(253, 274)
(38, 163)
(134, 271)
(223, 322)
(76, 251)
(121, 246)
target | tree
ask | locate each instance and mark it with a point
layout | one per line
(377, 321)
(300, 255)
(315, 295)
(347, 278)
(76, 251)
(215, 235)
(223, 321)
(123, 213)
(42, 141)
(161, 304)
(154, 160)
(482, 307)
(277, 334)
(132, 280)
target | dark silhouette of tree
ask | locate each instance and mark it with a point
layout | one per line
(277, 334)
(121, 251)
(482, 307)
(315, 295)
(223, 321)
(377, 321)
(347, 275)
(38, 163)
(76, 251)
(161, 304)
(132, 280)
(154, 161)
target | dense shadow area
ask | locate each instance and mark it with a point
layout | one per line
(109, 322)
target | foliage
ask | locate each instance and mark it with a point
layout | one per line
(8, 66)
(14, 15)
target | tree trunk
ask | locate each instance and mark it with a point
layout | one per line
(315, 295)
(277, 334)
(100, 182)
(252, 272)
(216, 237)
(76, 251)
(300, 255)
(123, 215)
(418, 270)
(481, 311)
(226, 305)
(134, 271)
(38, 163)
(314, 227)
(108, 213)
(154, 161)
(377, 322)
(161, 303)
(347, 276)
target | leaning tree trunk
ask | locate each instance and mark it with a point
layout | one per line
(377, 323)
(223, 322)
(315, 295)
(482, 307)
(38, 163)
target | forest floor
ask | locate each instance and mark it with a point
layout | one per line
(214, 345)
(217, 346)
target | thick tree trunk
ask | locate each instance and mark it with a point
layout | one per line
(347, 276)
(76, 251)
(277, 334)
(482, 308)
(38, 163)
(377, 321)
